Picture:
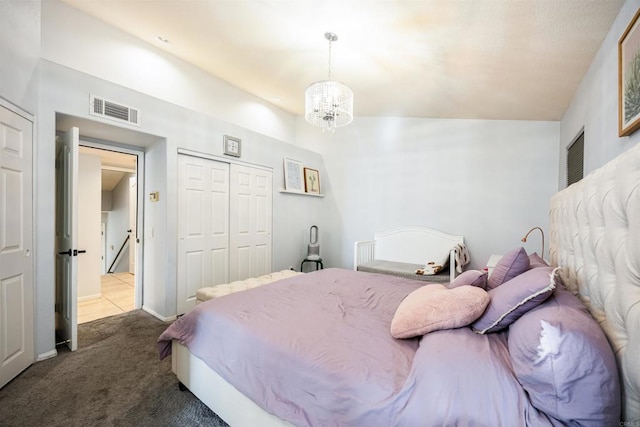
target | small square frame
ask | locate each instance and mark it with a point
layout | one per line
(232, 146)
(311, 181)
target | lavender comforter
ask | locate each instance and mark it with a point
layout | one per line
(316, 350)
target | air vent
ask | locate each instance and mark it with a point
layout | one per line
(114, 111)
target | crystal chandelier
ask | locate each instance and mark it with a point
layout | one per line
(329, 104)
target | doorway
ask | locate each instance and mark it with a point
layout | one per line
(107, 195)
(112, 139)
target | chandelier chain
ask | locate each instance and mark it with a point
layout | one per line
(330, 59)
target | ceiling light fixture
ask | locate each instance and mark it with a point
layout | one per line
(329, 104)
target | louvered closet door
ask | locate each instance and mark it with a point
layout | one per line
(203, 227)
(250, 222)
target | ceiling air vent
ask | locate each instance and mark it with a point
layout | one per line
(114, 111)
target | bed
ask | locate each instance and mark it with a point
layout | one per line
(553, 364)
(401, 251)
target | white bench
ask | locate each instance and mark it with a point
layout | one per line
(401, 251)
(217, 291)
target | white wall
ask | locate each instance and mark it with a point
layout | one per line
(487, 180)
(595, 105)
(19, 83)
(19, 52)
(107, 201)
(89, 217)
(118, 225)
(72, 38)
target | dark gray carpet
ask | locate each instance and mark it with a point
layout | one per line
(114, 379)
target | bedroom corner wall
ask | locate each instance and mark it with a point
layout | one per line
(488, 180)
(595, 105)
(20, 34)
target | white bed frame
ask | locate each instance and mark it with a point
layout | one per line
(225, 400)
(414, 245)
(595, 238)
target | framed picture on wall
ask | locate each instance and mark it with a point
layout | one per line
(311, 181)
(629, 78)
(293, 175)
(232, 146)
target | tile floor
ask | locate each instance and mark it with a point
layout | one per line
(117, 297)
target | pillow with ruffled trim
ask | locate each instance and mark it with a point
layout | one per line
(514, 298)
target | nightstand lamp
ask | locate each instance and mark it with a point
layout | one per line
(524, 239)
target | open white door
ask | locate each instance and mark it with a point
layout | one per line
(67, 238)
(16, 265)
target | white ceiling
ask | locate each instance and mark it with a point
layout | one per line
(486, 59)
(114, 165)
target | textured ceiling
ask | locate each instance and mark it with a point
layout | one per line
(487, 59)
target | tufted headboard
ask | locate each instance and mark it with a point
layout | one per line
(595, 240)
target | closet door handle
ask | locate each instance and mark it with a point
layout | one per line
(82, 251)
(65, 252)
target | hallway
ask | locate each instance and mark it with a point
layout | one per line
(117, 297)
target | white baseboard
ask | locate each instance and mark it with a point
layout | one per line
(88, 297)
(47, 355)
(157, 316)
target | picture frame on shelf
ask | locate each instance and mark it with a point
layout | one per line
(232, 146)
(293, 178)
(629, 78)
(311, 181)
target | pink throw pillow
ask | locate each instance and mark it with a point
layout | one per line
(434, 307)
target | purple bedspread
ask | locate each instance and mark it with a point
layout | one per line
(316, 350)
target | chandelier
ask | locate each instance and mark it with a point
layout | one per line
(328, 104)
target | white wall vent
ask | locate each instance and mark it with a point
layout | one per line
(114, 111)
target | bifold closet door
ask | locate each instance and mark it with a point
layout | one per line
(251, 200)
(203, 227)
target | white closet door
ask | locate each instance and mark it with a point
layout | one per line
(203, 227)
(16, 266)
(251, 222)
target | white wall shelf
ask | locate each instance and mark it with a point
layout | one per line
(302, 193)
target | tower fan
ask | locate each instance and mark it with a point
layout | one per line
(313, 248)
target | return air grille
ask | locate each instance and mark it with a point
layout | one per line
(114, 111)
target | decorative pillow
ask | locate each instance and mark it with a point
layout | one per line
(563, 360)
(515, 297)
(434, 307)
(470, 278)
(536, 261)
(514, 263)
